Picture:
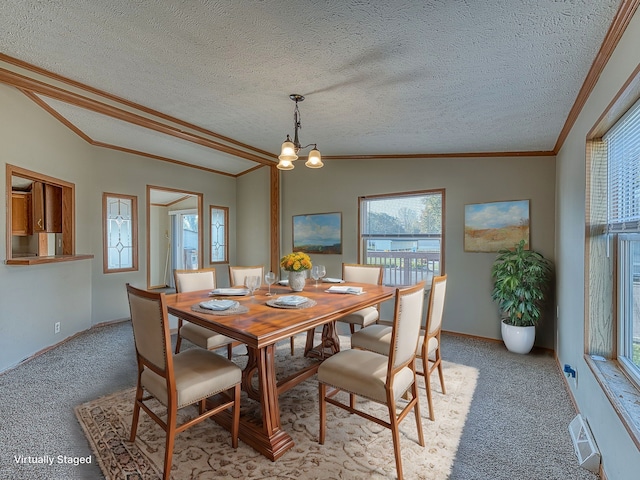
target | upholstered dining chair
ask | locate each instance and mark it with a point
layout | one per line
(360, 273)
(380, 378)
(187, 378)
(237, 274)
(377, 338)
(191, 281)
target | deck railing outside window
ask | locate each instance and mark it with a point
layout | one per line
(418, 260)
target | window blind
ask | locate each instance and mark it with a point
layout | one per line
(623, 159)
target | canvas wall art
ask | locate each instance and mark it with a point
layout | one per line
(489, 227)
(318, 233)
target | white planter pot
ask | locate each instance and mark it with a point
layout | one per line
(518, 339)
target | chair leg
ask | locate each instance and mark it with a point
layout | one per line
(352, 401)
(171, 435)
(136, 413)
(230, 350)
(416, 410)
(323, 411)
(427, 381)
(179, 338)
(292, 346)
(395, 434)
(440, 374)
(352, 327)
(235, 427)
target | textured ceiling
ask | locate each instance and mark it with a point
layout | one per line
(380, 77)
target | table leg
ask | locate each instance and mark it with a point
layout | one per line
(268, 438)
(265, 434)
(329, 344)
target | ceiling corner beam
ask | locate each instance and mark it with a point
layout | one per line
(37, 87)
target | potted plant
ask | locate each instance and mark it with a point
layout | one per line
(521, 279)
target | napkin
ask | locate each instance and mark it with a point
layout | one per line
(229, 291)
(291, 300)
(218, 305)
(345, 289)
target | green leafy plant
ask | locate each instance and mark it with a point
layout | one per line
(521, 279)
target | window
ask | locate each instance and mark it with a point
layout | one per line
(622, 143)
(120, 240)
(219, 234)
(403, 232)
(629, 303)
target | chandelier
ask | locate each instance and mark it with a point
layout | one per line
(290, 148)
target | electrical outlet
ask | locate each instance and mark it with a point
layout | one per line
(56, 327)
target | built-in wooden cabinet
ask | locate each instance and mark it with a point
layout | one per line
(40, 218)
(46, 208)
(21, 213)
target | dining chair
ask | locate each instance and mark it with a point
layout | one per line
(237, 276)
(377, 338)
(176, 381)
(380, 378)
(191, 281)
(359, 273)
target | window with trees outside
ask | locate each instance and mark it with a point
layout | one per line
(120, 241)
(403, 232)
(622, 143)
(219, 234)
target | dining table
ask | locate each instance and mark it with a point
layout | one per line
(259, 322)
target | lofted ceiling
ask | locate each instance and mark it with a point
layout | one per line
(381, 78)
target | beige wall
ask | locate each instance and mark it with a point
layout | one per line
(252, 232)
(78, 294)
(469, 308)
(621, 458)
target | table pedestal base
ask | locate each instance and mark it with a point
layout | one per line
(329, 344)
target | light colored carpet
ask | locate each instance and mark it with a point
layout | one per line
(354, 447)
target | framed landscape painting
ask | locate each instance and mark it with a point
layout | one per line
(317, 233)
(489, 227)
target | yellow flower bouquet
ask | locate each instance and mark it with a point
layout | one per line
(295, 262)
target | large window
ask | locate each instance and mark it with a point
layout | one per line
(403, 232)
(623, 222)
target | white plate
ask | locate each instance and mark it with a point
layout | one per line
(332, 280)
(291, 300)
(345, 289)
(219, 305)
(229, 291)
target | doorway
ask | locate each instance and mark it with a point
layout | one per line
(174, 234)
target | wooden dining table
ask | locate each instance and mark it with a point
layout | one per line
(260, 328)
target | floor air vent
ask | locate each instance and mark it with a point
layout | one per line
(585, 447)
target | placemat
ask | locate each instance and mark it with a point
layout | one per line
(307, 304)
(231, 311)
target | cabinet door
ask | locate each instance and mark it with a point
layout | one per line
(47, 208)
(20, 214)
(37, 207)
(53, 208)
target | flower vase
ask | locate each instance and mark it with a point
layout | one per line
(297, 280)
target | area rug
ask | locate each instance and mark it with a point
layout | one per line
(354, 447)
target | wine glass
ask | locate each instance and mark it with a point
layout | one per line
(321, 271)
(315, 274)
(252, 282)
(270, 278)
